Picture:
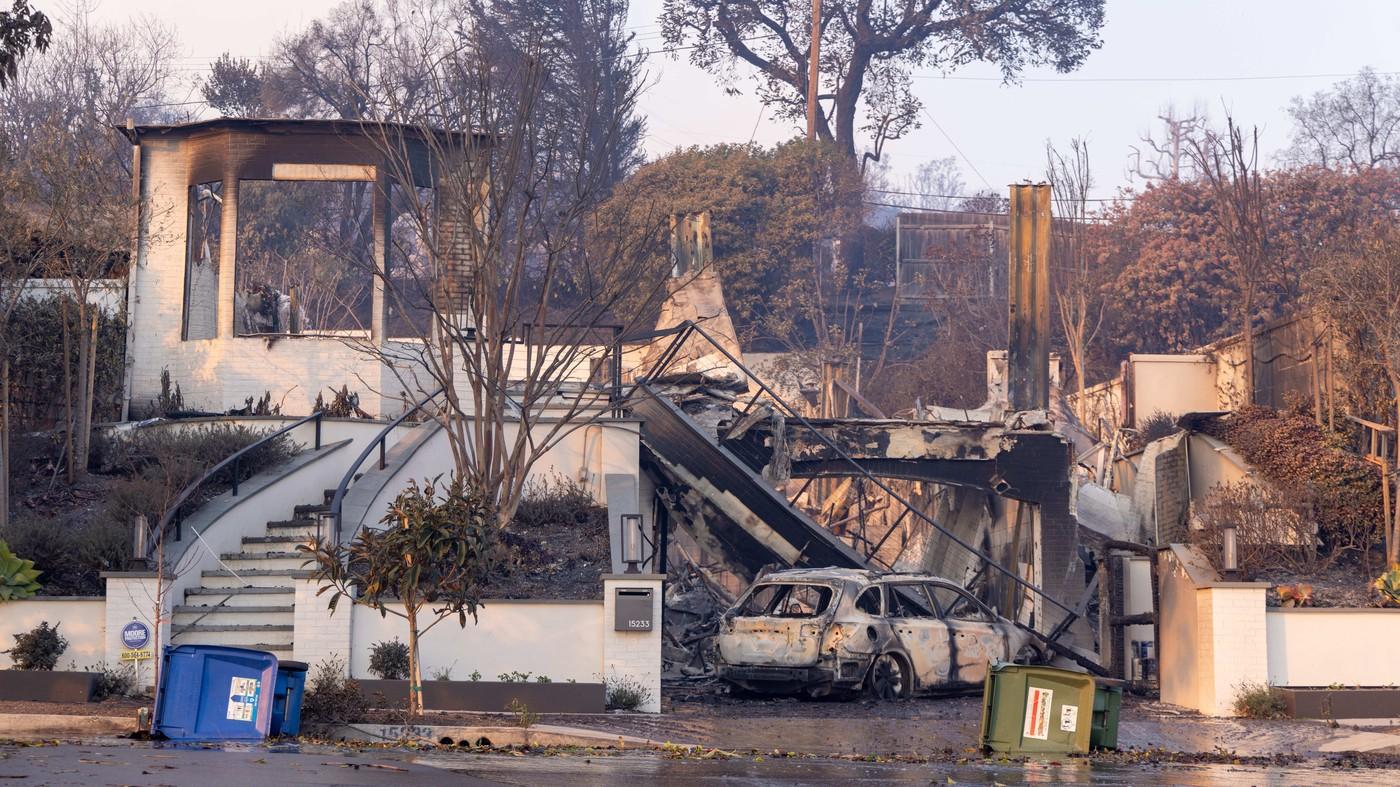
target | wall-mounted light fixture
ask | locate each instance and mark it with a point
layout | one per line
(632, 542)
(1229, 551)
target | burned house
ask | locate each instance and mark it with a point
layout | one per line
(262, 253)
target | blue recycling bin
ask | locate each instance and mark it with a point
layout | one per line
(214, 692)
(286, 698)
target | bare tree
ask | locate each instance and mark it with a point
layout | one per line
(56, 121)
(937, 184)
(1355, 125)
(1167, 158)
(1074, 273)
(1359, 285)
(1229, 164)
(508, 311)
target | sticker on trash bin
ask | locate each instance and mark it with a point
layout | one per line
(1069, 718)
(1038, 702)
(243, 699)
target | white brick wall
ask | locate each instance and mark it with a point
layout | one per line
(132, 596)
(318, 635)
(633, 654)
(1232, 645)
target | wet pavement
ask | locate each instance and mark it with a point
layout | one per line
(120, 762)
(917, 727)
(755, 772)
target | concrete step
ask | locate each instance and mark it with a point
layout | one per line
(311, 509)
(277, 543)
(259, 637)
(187, 615)
(277, 646)
(283, 595)
(267, 561)
(252, 577)
(301, 528)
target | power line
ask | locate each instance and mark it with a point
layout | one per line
(967, 196)
(965, 159)
(1090, 80)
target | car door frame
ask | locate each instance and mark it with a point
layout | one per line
(985, 640)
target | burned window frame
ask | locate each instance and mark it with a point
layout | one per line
(394, 260)
(894, 589)
(295, 311)
(963, 597)
(783, 593)
(201, 214)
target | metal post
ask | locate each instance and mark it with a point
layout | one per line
(1028, 301)
(318, 429)
(381, 453)
(235, 469)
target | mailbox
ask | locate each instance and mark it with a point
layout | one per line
(632, 609)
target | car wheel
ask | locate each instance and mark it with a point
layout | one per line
(888, 679)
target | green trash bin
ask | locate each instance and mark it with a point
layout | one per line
(1036, 710)
(1108, 701)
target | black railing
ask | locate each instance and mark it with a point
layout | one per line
(234, 464)
(380, 441)
(685, 330)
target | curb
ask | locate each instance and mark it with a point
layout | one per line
(29, 726)
(535, 735)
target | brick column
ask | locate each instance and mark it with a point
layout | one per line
(318, 635)
(131, 595)
(628, 653)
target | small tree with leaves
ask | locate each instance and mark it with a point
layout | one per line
(437, 549)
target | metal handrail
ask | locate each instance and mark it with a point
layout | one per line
(338, 500)
(683, 331)
(233, 461)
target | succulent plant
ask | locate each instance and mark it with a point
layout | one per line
(1388, 585)
(18, 577)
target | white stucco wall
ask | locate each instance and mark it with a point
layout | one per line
(1173, 384)
(1323, 647)
(80, 620)
(560, 639)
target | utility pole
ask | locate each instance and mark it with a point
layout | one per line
(814, 69)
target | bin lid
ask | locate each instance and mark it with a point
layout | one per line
(287, 665)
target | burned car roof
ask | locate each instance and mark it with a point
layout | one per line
(848, 573)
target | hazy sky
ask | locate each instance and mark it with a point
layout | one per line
(1190, 52)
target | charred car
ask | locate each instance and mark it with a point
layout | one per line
(843, 631)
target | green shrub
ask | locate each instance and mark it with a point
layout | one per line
(389, 660)
(524, 717)
(331, 698)
(1258, 701)
(38, 648)
(625, 693)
